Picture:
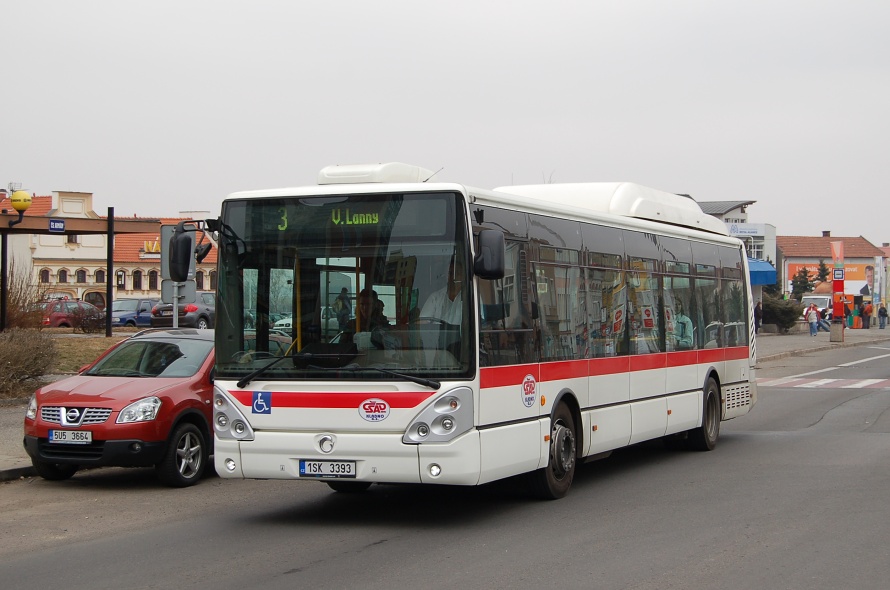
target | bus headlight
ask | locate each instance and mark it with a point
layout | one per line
(449, 416)
(228, 421)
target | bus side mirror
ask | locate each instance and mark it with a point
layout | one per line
(489, 262)
(182, 252)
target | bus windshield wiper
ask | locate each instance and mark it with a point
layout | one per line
(300, 355)
(419, 380)
(244, 381)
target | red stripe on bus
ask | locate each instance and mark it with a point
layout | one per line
(563, 370)
(712, 355)
(646, 362)
(681, 359)
(514, 374)
(609, 365)
(290, 399)
(508, 375)
(737, 353)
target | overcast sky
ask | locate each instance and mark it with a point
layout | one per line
(160, 107)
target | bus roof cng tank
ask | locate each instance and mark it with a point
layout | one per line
(363, 173)
(624, 198)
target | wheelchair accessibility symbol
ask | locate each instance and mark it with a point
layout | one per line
(262, 402)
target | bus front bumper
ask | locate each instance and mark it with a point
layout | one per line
(379, 458)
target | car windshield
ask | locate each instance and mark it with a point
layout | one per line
(154, 358)
(125, 305)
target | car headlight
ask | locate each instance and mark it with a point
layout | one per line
(141, 411)
(31, 414)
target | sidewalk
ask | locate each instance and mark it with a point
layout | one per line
(14, 462)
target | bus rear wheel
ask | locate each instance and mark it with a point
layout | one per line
(704, 438)
(553, 481)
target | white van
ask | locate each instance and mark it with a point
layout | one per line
(823, 302)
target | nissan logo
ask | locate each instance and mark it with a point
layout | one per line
(73, 414)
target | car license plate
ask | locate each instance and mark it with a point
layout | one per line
(166, 312)
(71, 437)
(327, 468)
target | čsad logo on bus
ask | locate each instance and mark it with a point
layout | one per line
(374, 410)
(529, 391)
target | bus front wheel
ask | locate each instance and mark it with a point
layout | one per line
(704, 438)
(553, 481)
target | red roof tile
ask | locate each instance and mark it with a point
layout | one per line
(820, 247)
(39, 206)
(129, 247)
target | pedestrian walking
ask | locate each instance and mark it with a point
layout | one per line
(866, 319)
(758, 317)
(812, 316)
(882, 316)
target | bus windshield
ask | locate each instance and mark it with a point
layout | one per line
(345, 285)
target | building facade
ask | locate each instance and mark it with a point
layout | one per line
(75, 266)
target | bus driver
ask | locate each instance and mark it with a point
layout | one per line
(446, 303)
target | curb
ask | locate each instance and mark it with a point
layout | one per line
(17, 473)
(786, 354)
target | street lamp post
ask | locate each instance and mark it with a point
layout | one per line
(20, 201)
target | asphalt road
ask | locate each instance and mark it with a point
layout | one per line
(794, 496)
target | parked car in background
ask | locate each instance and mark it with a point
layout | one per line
(144, 402)
(201, 314)
(67, 313)
(134, 312)
(330, 324)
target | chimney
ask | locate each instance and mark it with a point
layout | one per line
(826, 234)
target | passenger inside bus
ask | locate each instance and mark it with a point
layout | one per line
(371, 322)
(683, 330)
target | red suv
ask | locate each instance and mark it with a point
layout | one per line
(144, 402)
(65, 313)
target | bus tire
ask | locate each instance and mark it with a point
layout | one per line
(704, 438)
(553, 481)
(349, 487)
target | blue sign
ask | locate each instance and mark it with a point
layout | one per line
(57, 225)
(262, 402)
(838, 274)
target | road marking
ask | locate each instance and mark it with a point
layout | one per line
(797, 382)
(864, 383)
(871, 358)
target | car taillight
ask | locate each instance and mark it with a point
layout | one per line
(190, 308)
(154, 310)
(46, 321)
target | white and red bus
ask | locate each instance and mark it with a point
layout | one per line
(487, 334)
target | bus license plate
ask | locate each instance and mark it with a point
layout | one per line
(327, 468)
(71, 437)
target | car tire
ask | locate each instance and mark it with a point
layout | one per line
(202, 323)
(185, 457)
(54, 471)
